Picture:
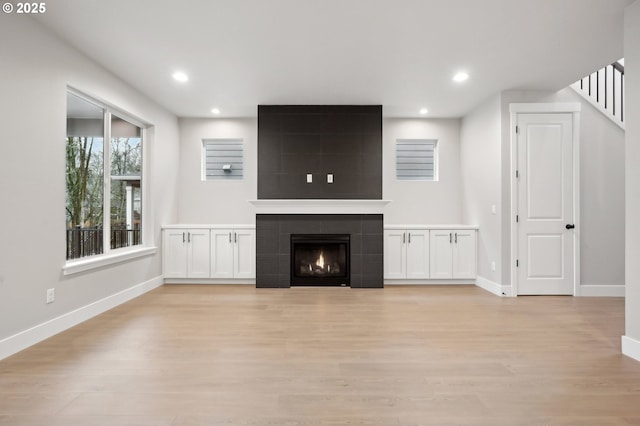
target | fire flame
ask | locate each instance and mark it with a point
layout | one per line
(320, 261)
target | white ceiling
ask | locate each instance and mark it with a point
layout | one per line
(401, 54)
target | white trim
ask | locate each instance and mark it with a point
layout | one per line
(577, 231)
(545, 108)
(104, 104)
(602, 290)
(631, 347)
(211, 281)
(115, 256)
(508, 291)
(428, 282)
(24, 339)
(319, 206)
(490, 286)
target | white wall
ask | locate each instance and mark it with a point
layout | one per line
(217, 201)
(481, 166)
(423, 202)
(36, 68)
(632, 92)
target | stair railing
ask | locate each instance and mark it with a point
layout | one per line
(605, 89)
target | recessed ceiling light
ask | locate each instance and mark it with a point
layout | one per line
(460, 77)
(215, 111)
(424, 111)
(180, 76)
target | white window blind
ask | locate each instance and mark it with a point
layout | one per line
(416, 159)
(222, 159)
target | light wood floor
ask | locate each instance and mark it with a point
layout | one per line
(419, 355)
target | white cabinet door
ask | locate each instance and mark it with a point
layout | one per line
(222, 253)
(464, 254)
(441, 254)
(417, 247)
(394, 254)
(198, 253)
(174, 253)
(244, 253)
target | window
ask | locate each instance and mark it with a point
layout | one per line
(222, 159)
(416, 159)
(101, 214)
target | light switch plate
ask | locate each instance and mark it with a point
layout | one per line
(330, 178)
(309, 178)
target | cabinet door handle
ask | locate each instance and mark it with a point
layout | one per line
(404, 237)
(235, 237)
(229, 237)
(409, 237)
(449, 237)
(456, 238)
(188, 237)
(183, 237)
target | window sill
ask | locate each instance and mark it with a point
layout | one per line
(94, 262)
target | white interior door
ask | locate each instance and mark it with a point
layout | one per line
(545, 204)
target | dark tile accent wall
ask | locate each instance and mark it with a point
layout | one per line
(294, 140)
(273, 248)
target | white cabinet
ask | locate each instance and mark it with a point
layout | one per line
(185, 253)
(406, 254)
(453, 253)
(233, 253)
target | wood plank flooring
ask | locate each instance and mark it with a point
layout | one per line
(404, 355)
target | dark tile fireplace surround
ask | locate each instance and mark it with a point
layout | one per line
(273, 245)
(294, 141)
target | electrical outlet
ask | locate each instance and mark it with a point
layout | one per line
(309, 178)
(51, 295)
(330, 178)
(493, 266)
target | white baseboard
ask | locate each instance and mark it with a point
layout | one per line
(24, 339)
(208, 281)
(495, 288)
(631, 347)
(392, 281)
(593, 290)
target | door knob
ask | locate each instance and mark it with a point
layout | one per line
(570, 226)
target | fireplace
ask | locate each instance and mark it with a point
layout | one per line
(320, 259)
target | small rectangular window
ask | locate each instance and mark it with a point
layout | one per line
(222, 159)
(416, 159)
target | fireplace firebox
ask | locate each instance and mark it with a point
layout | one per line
(320, 259)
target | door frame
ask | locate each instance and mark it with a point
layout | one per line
(545, 108)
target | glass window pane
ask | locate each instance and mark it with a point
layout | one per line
(84, 177)
(126, 183)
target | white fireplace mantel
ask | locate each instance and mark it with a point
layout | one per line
(319, 206)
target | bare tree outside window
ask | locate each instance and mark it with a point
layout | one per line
(85, 184)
